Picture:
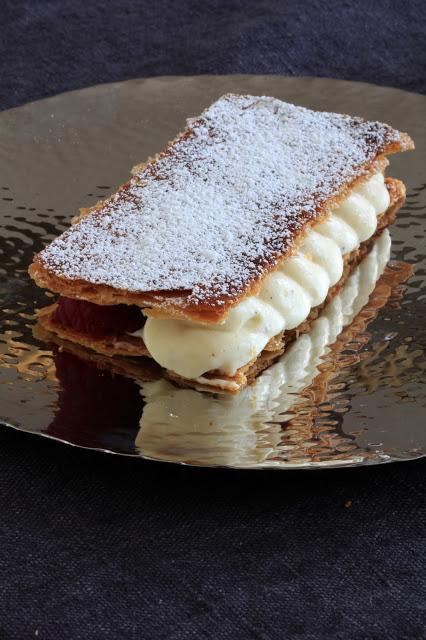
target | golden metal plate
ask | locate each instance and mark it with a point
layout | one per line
(365, 396)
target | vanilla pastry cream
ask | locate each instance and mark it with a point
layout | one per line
(285, 298)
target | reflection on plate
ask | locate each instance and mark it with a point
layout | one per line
(350, 392)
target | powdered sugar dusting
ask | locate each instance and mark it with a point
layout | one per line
(222, 203)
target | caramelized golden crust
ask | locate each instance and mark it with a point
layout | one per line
(286, 220)
(131, 346)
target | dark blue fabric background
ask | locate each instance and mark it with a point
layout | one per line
(97, 547)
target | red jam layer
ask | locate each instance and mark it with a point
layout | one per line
(98, 321)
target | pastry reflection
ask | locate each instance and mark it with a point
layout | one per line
(292, 413)
(96, 408)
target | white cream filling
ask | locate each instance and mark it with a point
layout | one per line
(285, 299)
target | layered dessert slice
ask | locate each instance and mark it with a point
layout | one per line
(223, 248)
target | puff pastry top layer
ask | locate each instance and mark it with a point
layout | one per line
(199, 226)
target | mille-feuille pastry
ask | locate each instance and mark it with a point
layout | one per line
(224, 247)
